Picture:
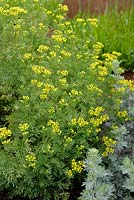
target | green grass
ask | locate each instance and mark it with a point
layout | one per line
(116, 32)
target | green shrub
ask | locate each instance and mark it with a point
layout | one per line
(67, 97)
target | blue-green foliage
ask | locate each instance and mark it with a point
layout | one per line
(97, 184)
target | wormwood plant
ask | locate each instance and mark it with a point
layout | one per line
(97, 184)
(67, 99)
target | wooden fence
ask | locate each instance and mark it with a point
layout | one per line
(95, 7)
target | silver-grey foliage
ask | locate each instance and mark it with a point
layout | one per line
(97, 185)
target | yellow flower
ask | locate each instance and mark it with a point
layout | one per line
(14, 11)
(69, 173)
(98, 121)
(53, 53)
(34, 81)
(95, 64)
(27, 56)
(4, 133)
(55, 126)
(96, 111)
(42, 48)
(109, 57)
(63, 81)
(109, 142)
(31, 160)
(127, 83)
(58, 38)
(77, 166)
(43, 96)
(51, 110)
(102, 71)
(98, 46)
(65, 53)
(41, 70)
(122, 114)
(6, 141)
(25, 98)
(74, 92)
(92, 20)
(116, 53)
(68, 139)
(41, 26)
(81, 122)
(63, 72)
(121, 90)
(23, 127)
(63, 8)
(80, 20)
(62, 101)
(59, 17)
(74, 121)
(93, 88)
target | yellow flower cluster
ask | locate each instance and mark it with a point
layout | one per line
(122, 114)
(42, 48)
(96, 111)
(4, 135)
(46, 90)
(93, 21)
(55, 126)
(62, 101)
(31, 160)
(116, 53)
(41, 70)
(36, 83)
(53, 54)
(98, 46)
(109, 142)
(80, 20)
(102, 71)
(98, 121)
(95, 64)
(74, 93)
(58, 38)
(111, 57)
(80, 121)
(63, 81)
(63, 72)
(60, 17)
(63, 8)
(93, 88)
(24, 127)
(51, 110)
(27, 56)
(120, 90)
(25, 98)
(67, 139)
(127, 83)
(75, 167)
(41, 26)
(65, 53)
(12, 11)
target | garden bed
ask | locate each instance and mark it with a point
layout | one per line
(68, 112)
